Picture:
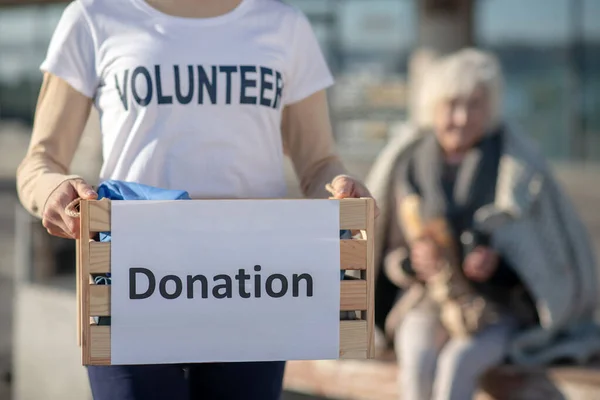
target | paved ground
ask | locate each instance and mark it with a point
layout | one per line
(581, 182)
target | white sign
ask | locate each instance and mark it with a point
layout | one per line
(224, 280)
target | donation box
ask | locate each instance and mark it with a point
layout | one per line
(194, 281)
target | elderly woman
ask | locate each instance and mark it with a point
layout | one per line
(491, 258)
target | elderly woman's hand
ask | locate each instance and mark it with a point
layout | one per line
(425, 259)
(343, 187)
(480, 264)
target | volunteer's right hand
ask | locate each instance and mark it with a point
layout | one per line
(425, 258)
(54, 218)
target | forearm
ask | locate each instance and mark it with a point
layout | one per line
(37, 177)
(60, 118)
(308, 140)
(314, 180)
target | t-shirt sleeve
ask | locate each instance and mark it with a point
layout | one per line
(71, 54)
(309, 71)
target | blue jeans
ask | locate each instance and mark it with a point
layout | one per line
(214, 381)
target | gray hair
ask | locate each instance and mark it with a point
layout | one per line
(459, 74)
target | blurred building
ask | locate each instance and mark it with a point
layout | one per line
(550, 50)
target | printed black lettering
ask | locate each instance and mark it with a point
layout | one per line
(163, 287)
(296, 283)
(145, 100)
(241, 277)
(278, 89)
(190, 285)
(269, 285)
(159, 93)
(123, 92)
(226, 286)
(228, 71)
(172, 286)
(133, 294)
(142, 82)
(184, 99)
(211, 86)
(264, 85)
(257, 281)
(247, 83)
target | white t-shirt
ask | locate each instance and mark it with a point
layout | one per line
(190, 104)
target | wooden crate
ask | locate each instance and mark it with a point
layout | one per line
(93, 257)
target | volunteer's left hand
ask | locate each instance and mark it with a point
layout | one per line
(343, 187)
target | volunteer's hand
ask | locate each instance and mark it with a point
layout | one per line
(343, 187)
(425, 259)
(480, 264)
(54, 218)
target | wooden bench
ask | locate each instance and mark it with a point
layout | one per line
(376, 380)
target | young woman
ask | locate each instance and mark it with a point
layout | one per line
(195, 95)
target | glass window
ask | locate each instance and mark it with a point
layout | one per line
(25, 33)
(532, 42)
(548, 49)
(590, 62)
(367, 45)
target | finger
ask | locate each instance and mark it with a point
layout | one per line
(423, 245)
(55, 229)
(59, 233)
(426, 275)
(84, 190)
(478, 274)
(71, 226)
(342, 187)
(51, 219)
(421, 258)
(470, 270)
(474, 274)
(425, 256)
(55, 220)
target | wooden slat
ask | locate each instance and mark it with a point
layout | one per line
(83, 276)
(99, 300)
(99, 212)
(100, 344)
(353, 297)
(100, 257)
(353, 214)
(353, 254)
(369, 314)
(78, 289)
(353, 341)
